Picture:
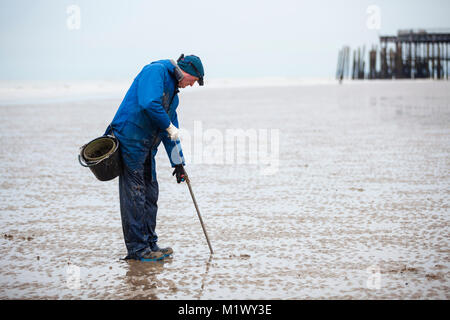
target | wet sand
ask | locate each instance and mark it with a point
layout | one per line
(363, 185)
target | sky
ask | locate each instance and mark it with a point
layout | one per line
(113, 40)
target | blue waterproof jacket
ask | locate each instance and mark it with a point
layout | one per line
(144, 114)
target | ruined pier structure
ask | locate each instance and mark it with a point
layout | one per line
(409, 55)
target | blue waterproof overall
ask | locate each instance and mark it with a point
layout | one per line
(140, 125)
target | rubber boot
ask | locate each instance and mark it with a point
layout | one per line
(152, 256)
(164, 251)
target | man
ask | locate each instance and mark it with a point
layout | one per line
(147, 116)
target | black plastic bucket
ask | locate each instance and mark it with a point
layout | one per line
(102, 156)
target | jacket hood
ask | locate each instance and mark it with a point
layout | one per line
(170, 65)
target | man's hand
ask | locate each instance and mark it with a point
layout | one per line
(173, 132)
(179, 172)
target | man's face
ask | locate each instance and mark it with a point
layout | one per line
(188, 80)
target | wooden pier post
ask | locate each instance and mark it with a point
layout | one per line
(391, 63)
(338, 67)
(361, 62)
(430, 68)
(411, 61)
(399, 64)
(432, 60)
(438, 61)
(347, 61)
(354, 64)
(383, 62)
(373, 62)
(447, 58)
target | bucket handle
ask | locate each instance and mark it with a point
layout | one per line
(112, 132)
(85, 164)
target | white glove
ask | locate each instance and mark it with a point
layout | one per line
(173, 132)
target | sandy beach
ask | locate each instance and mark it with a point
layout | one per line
(358, 207)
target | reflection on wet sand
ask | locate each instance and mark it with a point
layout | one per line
(205, 277)
(143, 278)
